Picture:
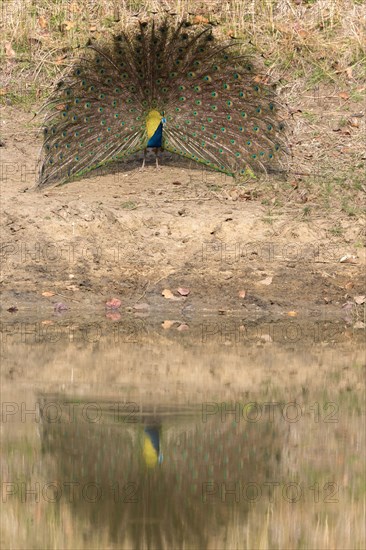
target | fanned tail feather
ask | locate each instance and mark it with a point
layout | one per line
(215, 108)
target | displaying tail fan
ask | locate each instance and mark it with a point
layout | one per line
(161, 84)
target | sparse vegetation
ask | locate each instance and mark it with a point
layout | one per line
(129, 205)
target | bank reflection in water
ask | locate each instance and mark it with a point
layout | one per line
(155, 477)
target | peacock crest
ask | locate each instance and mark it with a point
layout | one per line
(161, 84)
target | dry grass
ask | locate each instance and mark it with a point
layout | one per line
(304, 43)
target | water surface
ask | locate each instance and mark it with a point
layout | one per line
(213, 437)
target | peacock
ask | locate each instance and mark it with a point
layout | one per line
(151, 446)
(162, 85)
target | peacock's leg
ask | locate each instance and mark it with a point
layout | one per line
(143, 162)
(156, 151)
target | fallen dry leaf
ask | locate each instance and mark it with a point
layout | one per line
(261, 79)
(360, 299)
(242, 293)
(9, 52)
(354, 122)
(60, 59)
(48, 293)
(60, 306)
(349, 72)
(141, 307)
(68, 25)
(349, 259)
(113, 316)
(114, 303)
(42, 22)
(168, 294)
(167, 324)
(200, 19)
(349, 285)
(183, 291)
(267, 281)
(344, 95)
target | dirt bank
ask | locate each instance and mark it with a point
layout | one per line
(131, 235)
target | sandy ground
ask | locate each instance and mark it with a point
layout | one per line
(131, 235)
